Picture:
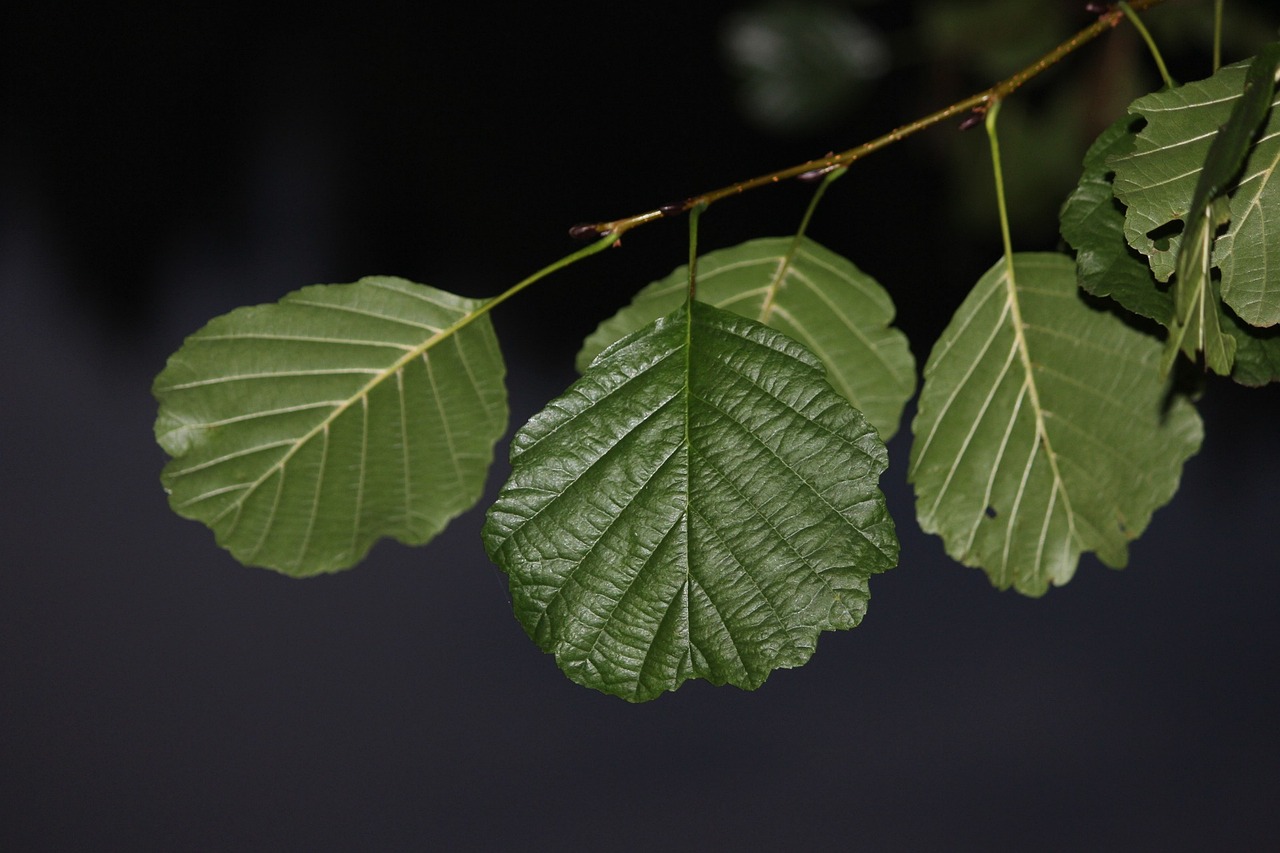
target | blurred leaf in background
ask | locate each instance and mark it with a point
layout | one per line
(801, 66)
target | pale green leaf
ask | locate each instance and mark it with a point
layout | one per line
(1044, 429)
(1158, 179)
(1250, 278)
(1106, 265)
(303, 431)
(1197, 322)
(700, 504)
(806, 292)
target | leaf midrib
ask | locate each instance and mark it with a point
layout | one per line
(1042, 432)
(396, 367)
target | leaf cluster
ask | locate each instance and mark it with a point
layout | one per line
(704, 501)
(1174, 214)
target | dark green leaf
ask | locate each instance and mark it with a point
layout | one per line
(700, 504)
(1043, 430)
(1092, 223)
(303, 431)
(806, 292)
(1257, 352)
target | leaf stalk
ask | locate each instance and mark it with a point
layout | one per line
(694, 216)
(1151, 43)
(1217, 34)
(993, 114)
(585, 252)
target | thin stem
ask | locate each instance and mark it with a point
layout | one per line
(766, 307)
(1018, 326)
(1151, 43)
(992, 113)
(585, 252)
(977, 103)
(828, 179)
(694, 216)
(1217, 33)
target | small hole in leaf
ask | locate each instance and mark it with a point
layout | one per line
(991, 512)
(1162, 236)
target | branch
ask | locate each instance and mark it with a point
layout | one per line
(975, 104)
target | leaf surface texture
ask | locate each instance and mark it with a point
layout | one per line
(1044, 429)
(1157, 182)
(303, 431)
(700, 504)
(1106, 265)
(806, 292)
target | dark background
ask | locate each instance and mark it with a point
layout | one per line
(159, 166)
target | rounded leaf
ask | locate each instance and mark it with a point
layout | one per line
(303, 431)
(700, 504)
(1044, 429)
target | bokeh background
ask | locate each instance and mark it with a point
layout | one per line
(163, 163)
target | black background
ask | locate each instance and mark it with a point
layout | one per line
(162, 165)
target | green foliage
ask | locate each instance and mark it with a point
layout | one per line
(804, 291)
(303, 431)
(700, 504)
(704, 501)
(1092, 223)
(1182, 180)
(1044, 429)
(1245, 256)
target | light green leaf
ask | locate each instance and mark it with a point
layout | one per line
(806, 292)
(1106, 265)
(700, 504)
(1043, 429)
(1196, 325)
(1250, 280)
(303, 431)
(1157, 181)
